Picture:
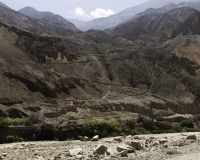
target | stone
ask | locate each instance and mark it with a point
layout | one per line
(163, 141)
(75, 151)
(79, 156)
(191, 137)
(100, 149)
(172, 152)
(57, 158)
(111, 152)
(124, 153)
(135, 144)
(119, 139)
(4, 154)
(136, 137)
(129, 136)
(95, 138)
(85, 138)
(125, 147)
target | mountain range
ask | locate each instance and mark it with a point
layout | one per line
(147, 65)
(116, 19)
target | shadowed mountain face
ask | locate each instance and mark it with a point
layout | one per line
(116, 19)
(93, 74)
(153, 26)
(190, 27)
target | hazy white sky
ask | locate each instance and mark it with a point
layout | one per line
(76, 9)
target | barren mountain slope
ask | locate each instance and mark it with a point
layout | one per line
(63, 79)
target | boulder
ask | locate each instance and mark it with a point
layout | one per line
(100, 149)
(95, 138)
(192, 137)
(125, 147)
(135, 144)
(75, 151)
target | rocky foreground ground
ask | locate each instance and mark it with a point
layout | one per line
(179, 146)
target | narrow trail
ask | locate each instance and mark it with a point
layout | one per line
(106, 95)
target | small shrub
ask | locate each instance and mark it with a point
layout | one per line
(160, 118)
(131, 123)
(48, 132)
(185, 129)
(140, 119)
(10, 139)
(20, 139)
(114, 134)
(142, 130)
(134, 132)
(148, 124)
(187, 123)
(157, 131)
(126, 129)
(16, 138)
(164, 125)
(80, 137)
(177, 128)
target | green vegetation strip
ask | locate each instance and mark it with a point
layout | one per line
(5, 122)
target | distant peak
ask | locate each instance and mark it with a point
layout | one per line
(169, 6)
(29, 11)
(28, 8)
